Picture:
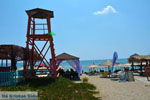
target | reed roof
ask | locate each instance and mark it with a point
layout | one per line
(16, 52)
(92, 66)
(139, 58)
(107, 63)
(40, 13)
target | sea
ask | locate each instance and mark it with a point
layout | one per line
(85, 63)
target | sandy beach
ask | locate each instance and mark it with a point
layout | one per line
(115, 90)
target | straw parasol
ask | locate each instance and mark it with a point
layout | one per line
(101, 66)
(106, 63)
(124, 65)
(139, 58)
(128, 65)
(11, 51)
(92, 66)
(16, 52)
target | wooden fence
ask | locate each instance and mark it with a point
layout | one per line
(11, 78)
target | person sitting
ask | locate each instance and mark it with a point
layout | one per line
(13, 65)
(61, 72)
(72, 74)
(101, 70)
(76, 77)
(129, 75)
(67, 74)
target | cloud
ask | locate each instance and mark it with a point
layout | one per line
(106, 10)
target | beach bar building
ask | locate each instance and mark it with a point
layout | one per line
(141, 61)
(9, 56)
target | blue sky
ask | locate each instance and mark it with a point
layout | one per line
(90, 29)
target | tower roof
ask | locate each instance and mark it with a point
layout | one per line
(40, 13)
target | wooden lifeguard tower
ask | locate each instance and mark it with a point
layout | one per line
(38, 30)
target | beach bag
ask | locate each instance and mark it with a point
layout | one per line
(122, 78)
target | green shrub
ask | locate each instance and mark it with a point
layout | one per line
(61, 89)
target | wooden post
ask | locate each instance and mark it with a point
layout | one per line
(146, 63)
(2, 62)
(6, 63)
(52, 50)
(132, 65)
(141, 72)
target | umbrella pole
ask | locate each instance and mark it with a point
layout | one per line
(109, 72)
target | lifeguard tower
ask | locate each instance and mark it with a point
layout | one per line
(39, 30)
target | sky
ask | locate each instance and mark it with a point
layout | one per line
(89, 29)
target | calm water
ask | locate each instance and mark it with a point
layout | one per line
(86, 63)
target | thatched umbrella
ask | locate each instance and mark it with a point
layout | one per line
(16, 52)
(139, 58)
(124, 65)
(106, 63)
(11, 51)
(92, 66)
(101, 66)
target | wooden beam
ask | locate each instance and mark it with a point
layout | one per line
(6, 62)
(2, 63)
(132, 65)
(141, 73)
(40, 37)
